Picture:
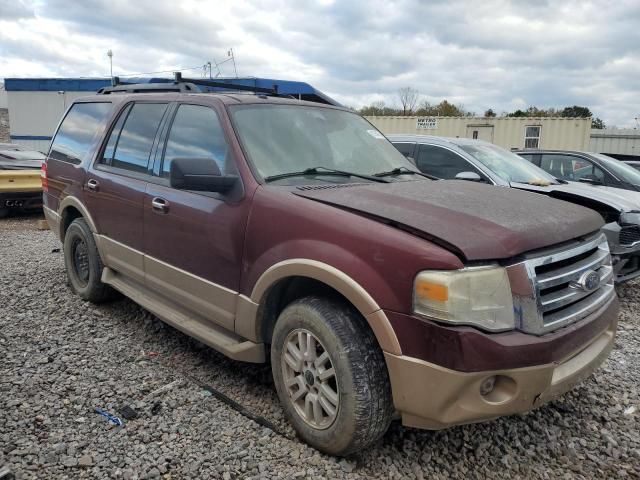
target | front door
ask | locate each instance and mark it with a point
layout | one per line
(193, 241)
(480, 132)
(115, 186)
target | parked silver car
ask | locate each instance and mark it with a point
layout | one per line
(476, 160)
(588, 167)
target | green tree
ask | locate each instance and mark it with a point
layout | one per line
(490, 113)
(446, 109)
(517, 113)
(576, 112)
(598, 123)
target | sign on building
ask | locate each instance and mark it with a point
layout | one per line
(427, 123)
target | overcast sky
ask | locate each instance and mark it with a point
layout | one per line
(483, 54)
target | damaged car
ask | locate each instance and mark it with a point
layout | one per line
(20, 185)
(275, 228)
(483, 162)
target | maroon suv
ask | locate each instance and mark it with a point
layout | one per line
(271, 227)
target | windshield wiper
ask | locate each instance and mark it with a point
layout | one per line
(404, 171)
(323, 171)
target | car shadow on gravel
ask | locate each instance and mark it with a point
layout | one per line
(248, 384)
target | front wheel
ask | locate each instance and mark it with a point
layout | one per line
(330, 375)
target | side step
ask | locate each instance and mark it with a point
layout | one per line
(226, 342)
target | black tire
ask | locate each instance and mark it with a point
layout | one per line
(365, 408)
(83, 264)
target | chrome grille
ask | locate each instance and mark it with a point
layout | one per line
(563, 285)
(629, 234)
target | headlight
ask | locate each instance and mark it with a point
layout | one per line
(472, 296)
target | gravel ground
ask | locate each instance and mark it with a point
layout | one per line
(60, 358)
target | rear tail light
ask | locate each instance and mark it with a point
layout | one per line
(43, 177)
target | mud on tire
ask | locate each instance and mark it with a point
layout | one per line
(364, 406)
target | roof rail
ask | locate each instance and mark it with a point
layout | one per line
(181, 84)
(225, 85)
(122, 87)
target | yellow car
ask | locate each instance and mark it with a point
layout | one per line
(20, 184)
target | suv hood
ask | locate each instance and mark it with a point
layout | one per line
(617, 198)
(478, 222)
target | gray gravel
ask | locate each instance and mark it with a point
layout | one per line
(60, 358)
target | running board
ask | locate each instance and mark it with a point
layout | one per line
(194, 325)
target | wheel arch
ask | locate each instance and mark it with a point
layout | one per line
(70, 209)
(292, 279)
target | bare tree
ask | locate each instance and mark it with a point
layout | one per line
(409, 99)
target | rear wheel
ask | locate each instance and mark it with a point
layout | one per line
(330, 375)
(83, 264)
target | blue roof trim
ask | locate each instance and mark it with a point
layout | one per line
(55, 84)
(29, 137)
(285, 87)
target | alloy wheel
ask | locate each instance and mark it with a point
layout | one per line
(310, 379)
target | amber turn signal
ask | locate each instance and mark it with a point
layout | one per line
(426, 290)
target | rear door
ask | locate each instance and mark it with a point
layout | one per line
(77, 137)
(193, 241)
(115, 185)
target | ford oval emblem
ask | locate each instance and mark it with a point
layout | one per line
(589, 281)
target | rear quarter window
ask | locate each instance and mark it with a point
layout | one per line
(78, 131)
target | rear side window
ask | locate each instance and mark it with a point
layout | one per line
(568, 167)
(405, 149)
(129, 145)
(195, 133)
(442, 163)
(78, 131)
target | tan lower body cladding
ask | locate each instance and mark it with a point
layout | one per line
(432, 397)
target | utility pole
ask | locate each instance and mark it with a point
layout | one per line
(110, 55)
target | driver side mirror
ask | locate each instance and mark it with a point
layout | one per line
(469, 176)
(200, 174)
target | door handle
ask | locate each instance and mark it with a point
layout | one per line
(93, 185)
(160, 205)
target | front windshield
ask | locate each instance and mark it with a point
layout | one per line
(620, 169)
(507, 165)
(291, 138)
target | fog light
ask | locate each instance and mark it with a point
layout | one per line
(486, 387)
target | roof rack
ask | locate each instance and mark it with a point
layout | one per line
(181, 84)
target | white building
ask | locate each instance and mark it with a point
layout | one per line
(36, 106)
(509, 132)
(620, 143)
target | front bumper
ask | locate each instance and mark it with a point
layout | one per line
(433, 397)
(625, 259)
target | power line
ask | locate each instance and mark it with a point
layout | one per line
(230, 55)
